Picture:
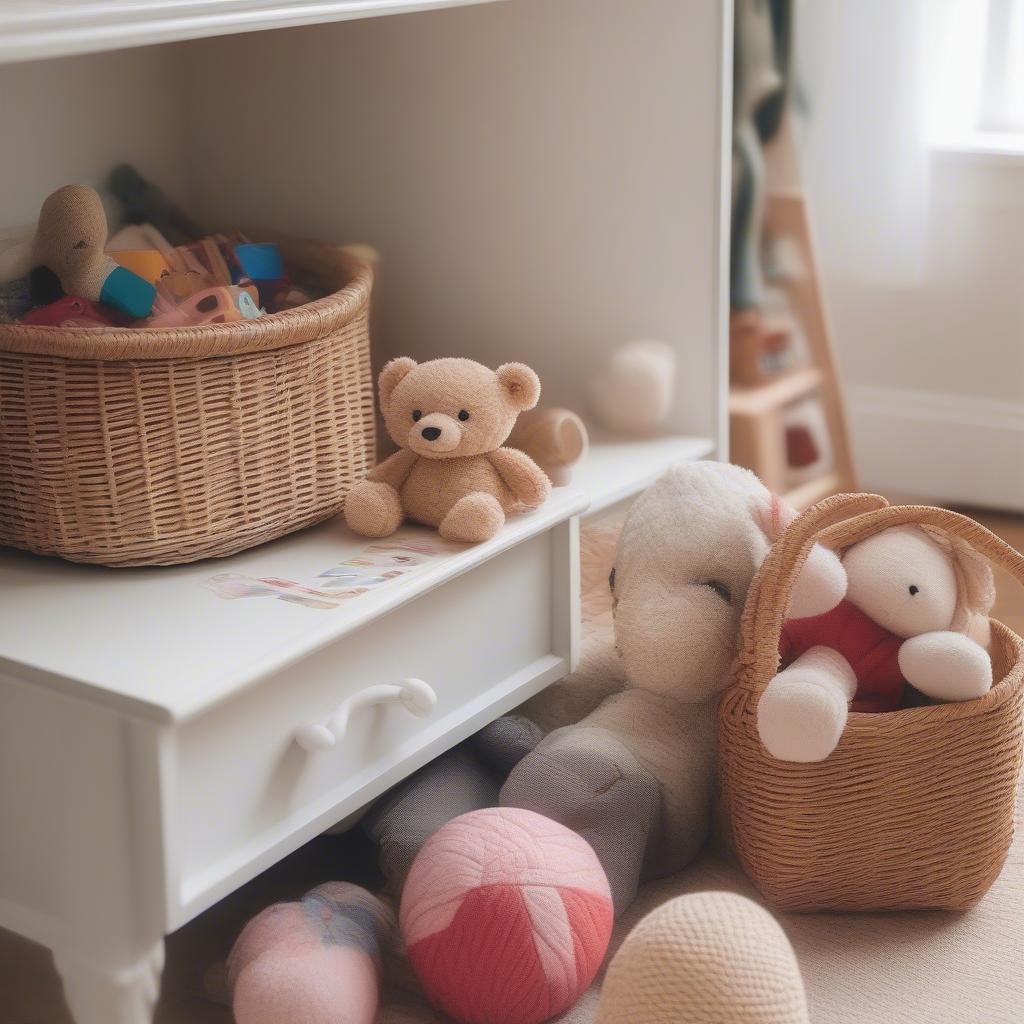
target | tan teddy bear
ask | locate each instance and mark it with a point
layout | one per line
(449, 418)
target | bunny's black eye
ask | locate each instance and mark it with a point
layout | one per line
(463, 415)
(416, 414)
(720, 589)
(914, 589)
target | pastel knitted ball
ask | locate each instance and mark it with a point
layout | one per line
(506, 917)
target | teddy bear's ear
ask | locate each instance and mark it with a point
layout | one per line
(390, 377)
(521, 385)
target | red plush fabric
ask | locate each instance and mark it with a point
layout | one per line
(873, 652)
(486, 966)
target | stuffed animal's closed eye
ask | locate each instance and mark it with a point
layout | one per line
(914, 610)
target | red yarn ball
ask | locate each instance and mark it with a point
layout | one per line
(506, 916)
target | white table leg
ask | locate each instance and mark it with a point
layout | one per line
(97, 993)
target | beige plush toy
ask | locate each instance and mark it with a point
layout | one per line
(910, 606)
(633, 392)
(70, 240)
(449, 418)
(556, 439)
(634, 773)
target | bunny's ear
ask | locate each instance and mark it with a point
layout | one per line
(976, 588)
(390, 377)
(772, 514)
(520, 384)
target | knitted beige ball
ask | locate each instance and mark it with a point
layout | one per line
(712, 957)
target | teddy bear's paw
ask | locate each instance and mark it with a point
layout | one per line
(373, 509)
(945, 665)
(473, 518)
(800, 720)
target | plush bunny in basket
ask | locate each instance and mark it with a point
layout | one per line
(908, 605)
(906, 809)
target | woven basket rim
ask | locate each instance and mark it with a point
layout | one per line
(274, 331)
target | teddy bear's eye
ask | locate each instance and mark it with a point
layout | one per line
(416, 414)
(720, 589)
(914, 589)
(463, 415)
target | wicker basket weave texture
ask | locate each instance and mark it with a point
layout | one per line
(163, 446)
(914, 808)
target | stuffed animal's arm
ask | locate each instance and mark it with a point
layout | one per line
(946, 666)
(819, 587)
(522, 476)
(803, 710)
(395, 469)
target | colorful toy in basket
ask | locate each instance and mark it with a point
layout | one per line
(224, 305)
(907, 605)
(70, 240)
(449, 418)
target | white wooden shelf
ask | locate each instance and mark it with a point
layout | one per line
(181, 648)
(615, 469)
(37, 29)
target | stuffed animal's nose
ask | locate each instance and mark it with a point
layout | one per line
(431, 433)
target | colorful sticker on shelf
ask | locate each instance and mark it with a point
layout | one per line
(375, 566)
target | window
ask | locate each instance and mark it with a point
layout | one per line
(1002, 86)
(976, 74)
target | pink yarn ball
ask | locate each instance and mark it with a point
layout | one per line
(506, 916)
(316, 961)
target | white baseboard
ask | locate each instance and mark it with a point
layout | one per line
(945, 448)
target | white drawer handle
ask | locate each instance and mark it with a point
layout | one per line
(413, 694)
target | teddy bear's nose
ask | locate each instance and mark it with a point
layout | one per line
(431, 433)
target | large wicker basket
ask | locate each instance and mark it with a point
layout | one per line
(146, 447)
(914, 808)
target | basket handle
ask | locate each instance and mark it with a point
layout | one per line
(983, 540)
(838, 522)
(768, 596)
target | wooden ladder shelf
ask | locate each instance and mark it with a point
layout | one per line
(756, 414)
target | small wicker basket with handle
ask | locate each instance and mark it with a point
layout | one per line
(914, 808)
(157, 446)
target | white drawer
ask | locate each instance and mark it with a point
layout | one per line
(240, 792)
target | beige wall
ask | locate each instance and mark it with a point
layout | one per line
(959, 329)
(72, 119)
